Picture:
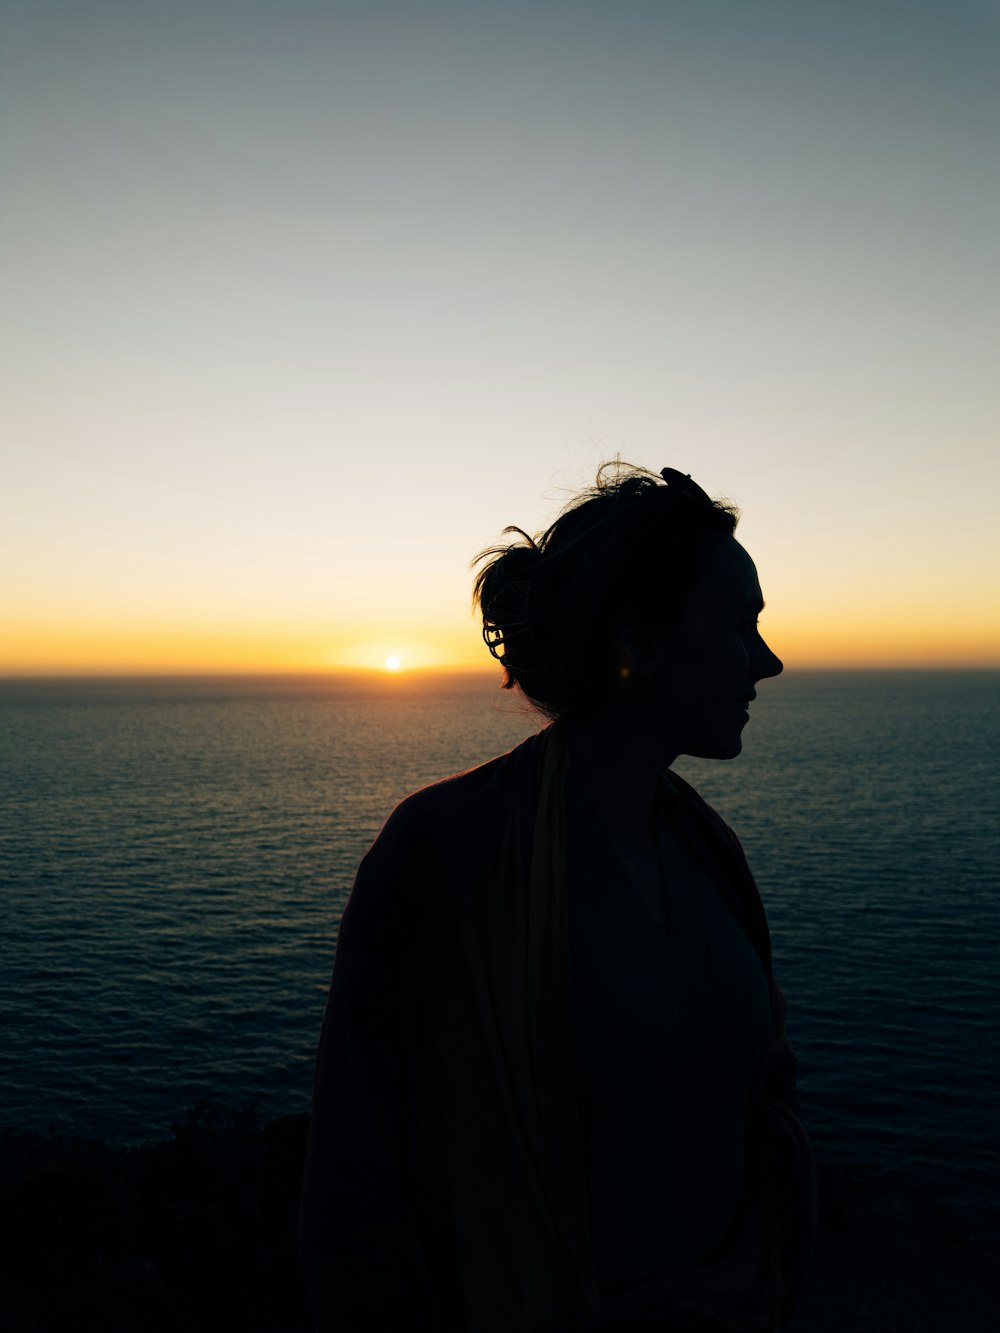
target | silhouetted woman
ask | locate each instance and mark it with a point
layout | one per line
(553, 1088)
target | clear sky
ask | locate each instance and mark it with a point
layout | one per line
(303, 302)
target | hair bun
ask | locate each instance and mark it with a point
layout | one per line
(504, 598)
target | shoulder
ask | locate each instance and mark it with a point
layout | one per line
(708, 821)
(695, 802)
(466, 804)
(473, 791)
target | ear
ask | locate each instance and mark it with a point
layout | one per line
(640, 647)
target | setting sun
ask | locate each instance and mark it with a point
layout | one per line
(392, 664)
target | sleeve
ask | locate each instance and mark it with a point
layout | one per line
(782, 1167)
(373, 1237)
(781, 1163)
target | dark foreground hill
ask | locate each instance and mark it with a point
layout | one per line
(198, 1233)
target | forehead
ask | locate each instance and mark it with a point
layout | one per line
(728, 573)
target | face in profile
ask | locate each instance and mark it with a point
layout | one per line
(705, 670)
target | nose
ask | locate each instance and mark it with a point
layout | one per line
(766, 663)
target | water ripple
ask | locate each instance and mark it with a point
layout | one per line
(174, 860)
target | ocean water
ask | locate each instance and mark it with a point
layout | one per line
(175, 855)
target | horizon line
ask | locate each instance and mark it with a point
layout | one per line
(380, 673)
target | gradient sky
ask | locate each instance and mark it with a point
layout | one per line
(303, 302)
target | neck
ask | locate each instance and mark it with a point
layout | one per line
(619, 757)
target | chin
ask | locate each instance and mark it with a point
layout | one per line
(719, 747)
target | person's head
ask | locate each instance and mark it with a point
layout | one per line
(637, 596)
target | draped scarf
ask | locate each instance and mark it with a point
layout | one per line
(444, 1187)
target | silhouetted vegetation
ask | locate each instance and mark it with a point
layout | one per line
(198, 1233)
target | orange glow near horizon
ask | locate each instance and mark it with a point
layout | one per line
(812, 620)
(865, 639)
(104, 647)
